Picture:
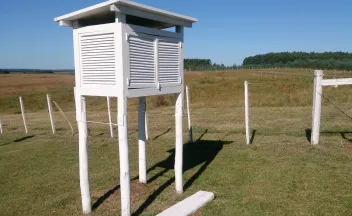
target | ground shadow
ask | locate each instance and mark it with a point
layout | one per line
(18, 140)
(309, 134)
(135, 131)
(105, 196)
(194, 154)
(341, 133)
(252, 136)
(167, 131)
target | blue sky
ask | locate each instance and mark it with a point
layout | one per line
(227, 31)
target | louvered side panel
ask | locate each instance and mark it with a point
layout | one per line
(168, 62)
(142, 62)
(97, 58)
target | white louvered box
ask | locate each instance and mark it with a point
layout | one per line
(122, 48)
(125, 49)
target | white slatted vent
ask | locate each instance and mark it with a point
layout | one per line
(142, 62)
(97, 57)
(169, 62)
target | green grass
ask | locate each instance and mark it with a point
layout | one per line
(279, 174)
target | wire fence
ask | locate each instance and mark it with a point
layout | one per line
(271, 120)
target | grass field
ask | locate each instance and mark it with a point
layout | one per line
(279, 174)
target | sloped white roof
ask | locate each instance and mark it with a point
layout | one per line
(105, 7)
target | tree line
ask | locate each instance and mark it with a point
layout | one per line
(204, 64)
(326, 60)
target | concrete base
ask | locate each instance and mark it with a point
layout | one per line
(189, 205)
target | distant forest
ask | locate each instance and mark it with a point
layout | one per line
(326, 60)
(204, 64)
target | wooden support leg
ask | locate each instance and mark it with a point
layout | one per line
(142, 140)
(124, 158)
(83, 153)
(316, 114)
(179, 142)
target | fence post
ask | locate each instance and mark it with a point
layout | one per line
(52, 121)
(1, 127)
(23, 115)
(109, 114)
(316, 111)
(189, 116)
(246, 111)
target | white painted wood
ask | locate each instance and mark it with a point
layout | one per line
(142, 61)
(122, 120)
(179, 143)
(153, 91)
(169, 61)
(190, 131)
(156, 63)
(23, 115)
(317, 96)
(76, 54)
(110, 118)
(189, 205)
(102, 91)
(180, 29)
(246, 108)
(81, 117)
(319, 82)
(336, 82)
(50, 109)
(1, 130)
(131, 8)
(124, 157)
(106, 65)
(142, 140)
(66, 23)
(97, 55)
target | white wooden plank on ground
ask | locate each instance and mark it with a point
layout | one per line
(189, 205)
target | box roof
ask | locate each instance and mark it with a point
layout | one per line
(129, 8)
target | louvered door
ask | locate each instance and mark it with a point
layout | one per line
(97, 58)
(154, 61)
(168, 62)
(141, 61)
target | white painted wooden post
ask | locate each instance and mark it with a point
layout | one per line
(109, 114)
(23, 115)
(316, 113)
(246, 111)
(179, 143)
(124, 157)
(189, 116)
(81, 117)
(50, 109)
(142, 141)
(146, 123)
(1, 127)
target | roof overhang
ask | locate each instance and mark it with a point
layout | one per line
(129, 8)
